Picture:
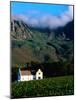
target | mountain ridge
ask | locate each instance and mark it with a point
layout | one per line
(33, 44)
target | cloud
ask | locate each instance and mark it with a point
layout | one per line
(20, 17)
(52, 21)
(49, 20)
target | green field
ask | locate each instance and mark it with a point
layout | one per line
(56, 86)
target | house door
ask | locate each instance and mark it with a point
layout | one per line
(39, 77)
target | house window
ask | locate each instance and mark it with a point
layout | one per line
(39, 77)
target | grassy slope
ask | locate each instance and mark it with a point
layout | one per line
(33, 49)
(56, 86)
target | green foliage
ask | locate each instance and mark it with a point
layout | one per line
(48, 87)
(14, 73)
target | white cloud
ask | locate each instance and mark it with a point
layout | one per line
(52, 21)
(20, 17)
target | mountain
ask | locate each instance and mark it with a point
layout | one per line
(40, 45)
(20, 30)
(68, 29)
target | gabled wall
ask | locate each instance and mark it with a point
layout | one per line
(39, 74)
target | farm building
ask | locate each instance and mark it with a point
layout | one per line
(27, 74)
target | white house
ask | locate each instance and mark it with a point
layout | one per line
(39, 74)
(27, 75)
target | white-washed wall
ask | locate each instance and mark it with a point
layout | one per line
(39, 73)
(26, 77)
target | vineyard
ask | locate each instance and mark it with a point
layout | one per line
(55, 86)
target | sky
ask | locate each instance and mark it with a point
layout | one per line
(24, 8)
(42, 15)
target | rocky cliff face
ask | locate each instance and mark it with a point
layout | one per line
(19, 30)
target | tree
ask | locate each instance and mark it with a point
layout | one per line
(46, 58)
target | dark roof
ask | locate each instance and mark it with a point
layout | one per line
(25, 72)
(30, 70)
